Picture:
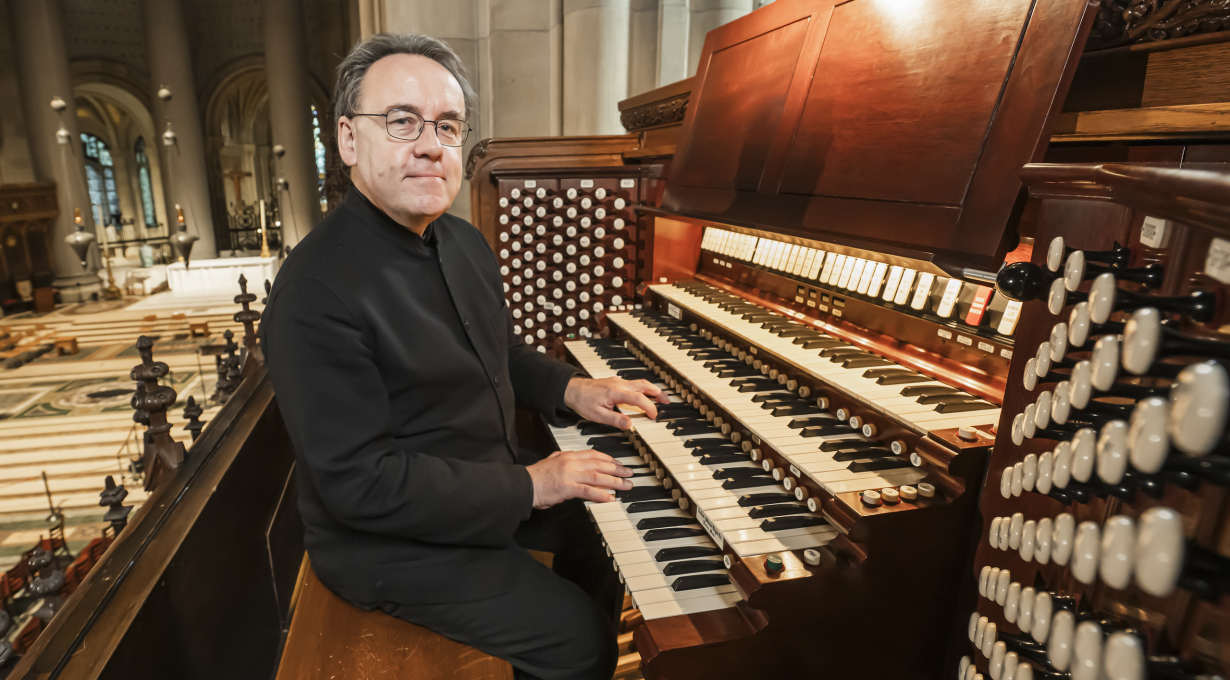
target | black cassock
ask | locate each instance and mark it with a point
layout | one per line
(397, 374)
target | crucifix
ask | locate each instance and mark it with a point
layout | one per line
(237, 176)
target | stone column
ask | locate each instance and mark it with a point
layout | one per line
(185, 179)
(596, 33)
(643, 46)
(42, 66)
(291, 116)
(672, 55)
(706, 16)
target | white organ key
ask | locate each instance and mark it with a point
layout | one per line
(856, 274)
(922, 291)
(907, 285)
(847, 268)
(792, 259)
(839, 263)
(804, 262)
(830, 262)
(1007, 324)
(871, 280)
(817, 264)
(949, 301)
(894, 280)
(779, 253)
(868, 273)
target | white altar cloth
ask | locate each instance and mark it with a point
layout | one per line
(221, 275)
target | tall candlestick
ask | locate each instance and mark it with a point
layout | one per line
(264, 233)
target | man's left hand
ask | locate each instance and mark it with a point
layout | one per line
(596, 399)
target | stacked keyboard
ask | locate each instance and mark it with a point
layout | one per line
(917, 400)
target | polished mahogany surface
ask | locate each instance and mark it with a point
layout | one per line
(895, 126)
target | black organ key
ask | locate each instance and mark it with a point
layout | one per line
(923, 390)
(792, 522)
(739, 472)
(821, 343)
(865, 363)
(737, 372)
(642, 474)
(965, 406)
(945, 398)
(706, 443)
(748, 483)
(825, 431)
(772, 396)
(754, 499)
(765, 385)
(664, 522)
(643, 493)
(692, 567)
(778, 510)
(771, 402)
(686, 553)
(668, 534)
(881, 464)
(798, 332)
(624, 363)
(699, 581)
(882, 372)
(902, 379)
(681, 423)
(843, 351)
(723, 458)
(650, 506)
(696, 429)
(863, 454)
(637, 374)
(797, 410)
(848, 444)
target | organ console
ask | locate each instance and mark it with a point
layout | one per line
(844, 313)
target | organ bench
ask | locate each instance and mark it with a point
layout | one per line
(331, 638)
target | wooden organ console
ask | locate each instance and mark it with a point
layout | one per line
(817, 295)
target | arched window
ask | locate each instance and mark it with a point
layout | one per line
(320, 160)
(101, 177)
(147, 185)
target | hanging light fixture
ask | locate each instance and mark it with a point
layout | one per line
(181, 240)
(80, 239)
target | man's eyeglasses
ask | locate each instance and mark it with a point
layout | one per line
(408, 126)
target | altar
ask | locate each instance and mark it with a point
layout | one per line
(221, 275)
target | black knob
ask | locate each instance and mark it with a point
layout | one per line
(1105, 297)
(1023, 281)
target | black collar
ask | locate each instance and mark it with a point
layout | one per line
(390, 230)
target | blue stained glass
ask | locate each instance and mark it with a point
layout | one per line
(147, 187)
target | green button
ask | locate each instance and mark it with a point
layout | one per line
(773, 564)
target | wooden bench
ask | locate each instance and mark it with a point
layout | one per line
(331, 638)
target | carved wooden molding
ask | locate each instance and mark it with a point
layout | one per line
(479, 151)
(1126, 22)
(654, 114)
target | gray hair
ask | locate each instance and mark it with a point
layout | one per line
(376, 47)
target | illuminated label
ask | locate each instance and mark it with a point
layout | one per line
(986, 347)
(674, 311)
(947, 335)
(627, 183)
(1217, 262)
(1152, 231)
(979, 307)
(587, 184)
(969, 342)
(531, 183)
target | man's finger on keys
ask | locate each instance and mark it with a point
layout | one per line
(646, 387)
(612, 468)
(591, 493)
(640, 401)
(595, 478)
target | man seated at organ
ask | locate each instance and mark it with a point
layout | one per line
(391, 351)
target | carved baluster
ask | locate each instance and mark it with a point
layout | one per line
(112, 498)
(248, 317)
(162, 453)
(193, 413)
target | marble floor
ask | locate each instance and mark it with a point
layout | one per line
(68, 417)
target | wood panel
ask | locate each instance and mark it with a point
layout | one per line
(900, 127)
(331, 638)
(1161, 122)
(1197, 75)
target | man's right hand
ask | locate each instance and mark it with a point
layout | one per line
(576, 474)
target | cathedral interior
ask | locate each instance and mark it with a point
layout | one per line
(821, 228)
